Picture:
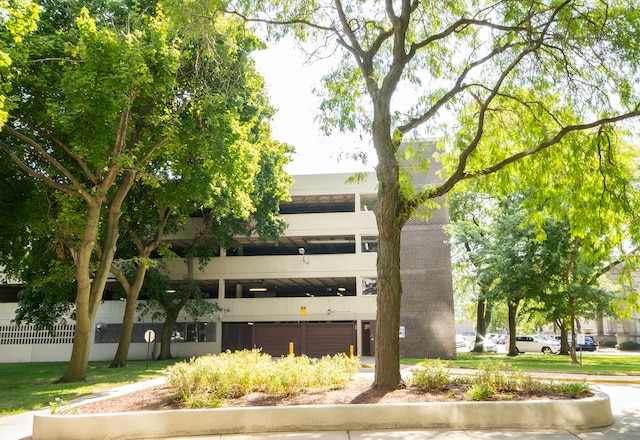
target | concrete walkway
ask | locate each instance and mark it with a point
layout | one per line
(624, 392)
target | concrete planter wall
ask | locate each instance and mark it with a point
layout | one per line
(589, 413)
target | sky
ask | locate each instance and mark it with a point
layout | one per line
(290, 83)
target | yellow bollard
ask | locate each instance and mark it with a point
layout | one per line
(351, 351)
(290, 348)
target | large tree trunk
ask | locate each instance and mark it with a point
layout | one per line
(167, 329)
(86, 290)
(564, 339)
(513, 310)
(599, 323)
(89, 294)
(389, 286)
(387, 371)
(132, 292)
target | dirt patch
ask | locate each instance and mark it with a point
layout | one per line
(355, 392)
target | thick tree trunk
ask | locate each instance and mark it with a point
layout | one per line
(77, 368)
(389, 286)
(599, 324)
(564, 340)
(133, 292)
(89, 294)
(86, 290)
(513, 310)
(387, 371)
(167, 329)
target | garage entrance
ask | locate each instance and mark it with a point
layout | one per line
(314, 339)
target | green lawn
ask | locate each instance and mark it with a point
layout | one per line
(615, 365)
(28, 386)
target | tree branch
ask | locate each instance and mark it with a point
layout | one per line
(80, 190)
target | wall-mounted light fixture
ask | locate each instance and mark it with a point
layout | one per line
(257, 289)
(305, 258)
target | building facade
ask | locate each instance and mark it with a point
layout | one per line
(313, 292)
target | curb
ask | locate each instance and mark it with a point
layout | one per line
(581, 414)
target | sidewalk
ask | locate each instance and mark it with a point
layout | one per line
(624, 392)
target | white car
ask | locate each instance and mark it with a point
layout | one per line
(461, 343)
(488, 345)
(535, 344)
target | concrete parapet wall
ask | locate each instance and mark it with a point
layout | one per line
(589, 413)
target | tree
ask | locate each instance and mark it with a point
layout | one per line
(17, 19)
(229, 215)
(232, 177)
(533, 260)
(101, 92)
(471, 242)
(468, 63)
(245, 192)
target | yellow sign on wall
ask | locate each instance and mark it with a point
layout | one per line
(303, 310)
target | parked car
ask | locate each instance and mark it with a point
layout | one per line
(590, 344)
(461, 342)
(535, 344)
(488, 345)
(498, 338)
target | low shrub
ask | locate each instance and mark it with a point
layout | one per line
(480, 391)
(206, 381)
(433, 376)
(494, 378)
(607, 343)
(499, 380)
(629, 345)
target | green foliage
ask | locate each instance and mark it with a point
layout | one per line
(568, 388)
(629, 345)
(433, 376)
(607, 343)
(494, 380)
(498, 380)
(207, 381)
(57, 404)
(507, 248)
(17, 20)
(124, 99)
(499, 377)
(480, 391)
(500, 82)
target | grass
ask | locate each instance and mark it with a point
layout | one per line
(29, 386)
(613, 365)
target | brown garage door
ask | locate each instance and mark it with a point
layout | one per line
(274, 338)
(237, 336)
(329, 339)
(315, 339)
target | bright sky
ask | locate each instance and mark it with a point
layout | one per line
(290, 82)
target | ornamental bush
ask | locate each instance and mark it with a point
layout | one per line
(206, 381)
